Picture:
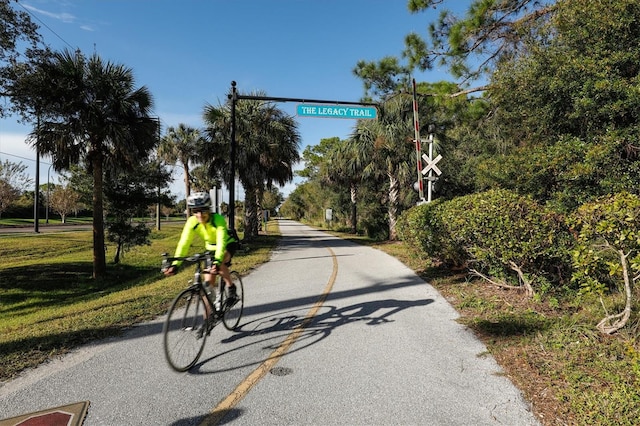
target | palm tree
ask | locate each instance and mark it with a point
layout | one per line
(202, 179)
(386, 145)
(93, 115)
(345, 167)
(267, 149)
(182, 144)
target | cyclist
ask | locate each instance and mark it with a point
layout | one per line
(212, 228)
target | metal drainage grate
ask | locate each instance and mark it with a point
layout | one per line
(281, 371)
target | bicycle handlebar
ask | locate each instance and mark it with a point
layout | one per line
(195, 258)
(191, 259)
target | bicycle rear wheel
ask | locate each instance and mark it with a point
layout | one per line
(233, 312)
(185, 330)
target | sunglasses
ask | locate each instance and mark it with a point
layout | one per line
(200, 211)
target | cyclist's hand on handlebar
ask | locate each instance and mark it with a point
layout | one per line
(171, 270)
(214, 268)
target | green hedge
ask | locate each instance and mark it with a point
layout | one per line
(491, 231)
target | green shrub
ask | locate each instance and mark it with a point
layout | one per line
(606, 228)
(420, 228)
(607, 255)
(498, 232)
(505, 230)
(374, 221)
(423, 227)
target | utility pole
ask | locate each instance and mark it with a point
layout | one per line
(158, 194)
(36, 197)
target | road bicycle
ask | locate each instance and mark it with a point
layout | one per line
(194, 313)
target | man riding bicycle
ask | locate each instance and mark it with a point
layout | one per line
(212, 228)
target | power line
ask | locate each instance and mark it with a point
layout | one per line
(23, 158)
(42, 22)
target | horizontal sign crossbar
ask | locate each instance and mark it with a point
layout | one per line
(303, 100)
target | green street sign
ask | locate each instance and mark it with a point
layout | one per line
(336, 111)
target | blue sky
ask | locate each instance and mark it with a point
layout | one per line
(187, 53)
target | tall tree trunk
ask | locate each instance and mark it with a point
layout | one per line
(394, 191)
(250, 213)
(99, 261)
(354, 196)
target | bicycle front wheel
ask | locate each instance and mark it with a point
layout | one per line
(233, 308)
(185, 330)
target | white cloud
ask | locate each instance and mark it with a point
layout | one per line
(64, 17)
(13, 146)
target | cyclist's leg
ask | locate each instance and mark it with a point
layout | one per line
(226, 262)
(234, 303)
(210, 279)
(224, 268)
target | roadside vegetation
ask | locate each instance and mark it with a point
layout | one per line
(532, 229)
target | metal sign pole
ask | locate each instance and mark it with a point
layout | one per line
(232, 159)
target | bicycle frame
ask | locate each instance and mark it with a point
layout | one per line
(198, 281)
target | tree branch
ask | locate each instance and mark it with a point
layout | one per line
(527, 285)
(472, 90)
(499, 284)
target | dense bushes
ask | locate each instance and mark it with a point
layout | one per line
(510, 239)
(497, 234)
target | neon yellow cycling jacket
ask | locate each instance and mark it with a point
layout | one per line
(214, 234)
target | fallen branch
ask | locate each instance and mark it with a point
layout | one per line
(500, 284)
(526, 285)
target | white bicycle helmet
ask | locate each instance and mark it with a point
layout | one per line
(199, 200)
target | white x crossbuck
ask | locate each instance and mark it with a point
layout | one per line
(431, 164)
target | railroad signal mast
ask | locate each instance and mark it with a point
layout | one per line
(430, 168)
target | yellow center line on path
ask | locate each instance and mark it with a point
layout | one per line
(223, 408)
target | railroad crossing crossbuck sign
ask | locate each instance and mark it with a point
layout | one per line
(431, 164)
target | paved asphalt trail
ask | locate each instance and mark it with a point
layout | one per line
(333, 334)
